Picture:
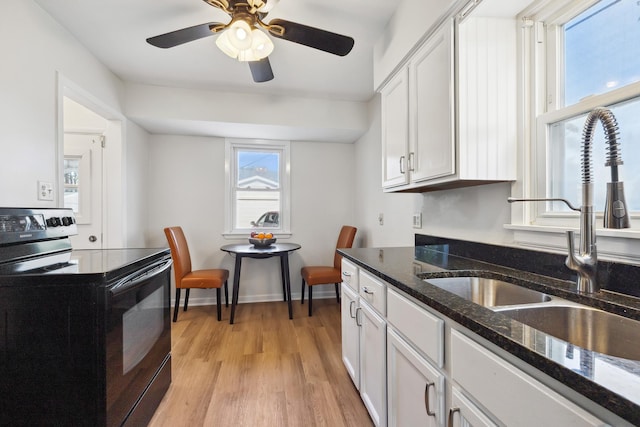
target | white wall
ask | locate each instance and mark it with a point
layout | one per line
(186, 188)
(34, 48)
(370, 201)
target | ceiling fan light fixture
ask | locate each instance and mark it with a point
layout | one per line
(266, 5)
(224, 44)
(261, 45)
(240, 34)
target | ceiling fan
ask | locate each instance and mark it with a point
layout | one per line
(243, 39)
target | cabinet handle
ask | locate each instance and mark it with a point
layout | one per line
(357, 318)
(346, 274)
(367, 291)
(351, 304)
(402, 165)
(452, 411)
(426, 399)
(412, 166)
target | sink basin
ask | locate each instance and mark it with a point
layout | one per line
(586, 327)
(489, 292)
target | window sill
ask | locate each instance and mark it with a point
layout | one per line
(613, 245)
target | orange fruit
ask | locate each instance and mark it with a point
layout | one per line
(268, 236)
(261, 235)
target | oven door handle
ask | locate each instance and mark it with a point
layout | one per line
(140, 277)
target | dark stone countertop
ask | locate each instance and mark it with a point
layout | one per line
(613, 383)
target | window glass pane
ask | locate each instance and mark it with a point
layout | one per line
(602, 49)
(71, 183)
(564, 175)
(258, 190)
(258, 169)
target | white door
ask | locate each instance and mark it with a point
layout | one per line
(350, 334)
(373, 363)
(415, 388)
(83, 187)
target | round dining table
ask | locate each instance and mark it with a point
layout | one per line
(247, 250)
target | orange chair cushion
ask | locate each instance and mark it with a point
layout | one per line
(213, 278)
(320, 275)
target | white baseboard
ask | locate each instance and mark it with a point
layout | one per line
(295, 296)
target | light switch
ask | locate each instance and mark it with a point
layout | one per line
(45, 190)
(381, 218)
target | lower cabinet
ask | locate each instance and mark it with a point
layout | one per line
(350, 333)
(415, 389)
(373, 376)
(463, 413)
(511, 395)
(396, 361)
(364, 352)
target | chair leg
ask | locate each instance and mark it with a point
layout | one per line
(338, 293)
(310, 299)
(219, 303)
(226, 293)
(186, 299)
(302, 300)
(175, 310)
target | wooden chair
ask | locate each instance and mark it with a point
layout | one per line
(186, 278)
(321, 275)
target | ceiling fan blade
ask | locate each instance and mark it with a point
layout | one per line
(261, 70)
(313, 37)
(184, 35)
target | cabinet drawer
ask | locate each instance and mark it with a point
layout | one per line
(513, 396)
(350, 275)
(422, 328)
(373, 290)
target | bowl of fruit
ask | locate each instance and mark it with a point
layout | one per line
(261, 240)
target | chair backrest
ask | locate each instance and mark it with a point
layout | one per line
(179, 253)
(345, 240)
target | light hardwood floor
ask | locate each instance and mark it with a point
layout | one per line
(265, 370)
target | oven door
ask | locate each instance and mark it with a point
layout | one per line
(138, 336)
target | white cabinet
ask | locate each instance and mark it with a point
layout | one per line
(431, 108)
(417, 115)
(415, 389)
(373, 376)
(459, 125)
(512, 396)
(350, 334)
(364, 331)
(463, 413)
(395, 130)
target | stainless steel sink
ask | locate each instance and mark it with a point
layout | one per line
(489, 292)
(586, 327)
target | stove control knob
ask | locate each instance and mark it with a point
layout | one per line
(53, 222)
(66, 221)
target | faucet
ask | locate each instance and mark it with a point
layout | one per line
(616, 215)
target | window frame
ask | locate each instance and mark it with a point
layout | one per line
(541, 59)
(284, 148)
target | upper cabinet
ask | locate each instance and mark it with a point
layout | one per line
(449, 112)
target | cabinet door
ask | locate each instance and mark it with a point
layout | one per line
(415, 389)
(395, 130)
(373, 373)
(350, 334)
(463, 413)
(431, 120)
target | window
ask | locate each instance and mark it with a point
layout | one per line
(585, 54)
(257, 176)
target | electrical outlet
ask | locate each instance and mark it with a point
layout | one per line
(381, 218)
(45, 190)
(417, 220)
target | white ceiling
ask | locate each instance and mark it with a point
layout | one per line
(115, 32)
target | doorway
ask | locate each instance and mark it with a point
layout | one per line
(90, 167)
